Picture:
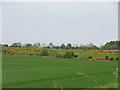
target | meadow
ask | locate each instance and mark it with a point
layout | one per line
(20, 71)
(85, 54)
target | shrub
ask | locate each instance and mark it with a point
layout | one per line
(106, 57)
(89, 57)
(31, 54)
(53, 53)
(68, 54)
(37, 54)
(111, 58)
(75, 55)
(44, 52)
(8, 52)
(72, 54)
(4, 50)
(116, 58)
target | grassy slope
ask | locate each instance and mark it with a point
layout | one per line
(97, 55)
(50, 72)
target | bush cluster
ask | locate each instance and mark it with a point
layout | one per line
(106, 58)
(69, 54)
(44, 52)
(111, 58)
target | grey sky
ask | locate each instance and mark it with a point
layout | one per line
(76, 23)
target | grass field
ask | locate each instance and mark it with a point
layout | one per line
(52, 72)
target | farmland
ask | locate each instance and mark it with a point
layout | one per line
(58, 68)
(51, 72)
(59, 44)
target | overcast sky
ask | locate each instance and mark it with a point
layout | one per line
(76, 23)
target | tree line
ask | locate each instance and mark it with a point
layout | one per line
(112, 45)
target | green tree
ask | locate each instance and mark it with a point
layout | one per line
(69, 46)
(28, 45)
(16, 44)
(63, 46)
(112, 45)
(37, 45)
(4, 45)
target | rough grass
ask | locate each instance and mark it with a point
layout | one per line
(111, 85)
(51, 72)
(97, 55)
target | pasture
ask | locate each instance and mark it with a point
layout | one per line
(21, 71)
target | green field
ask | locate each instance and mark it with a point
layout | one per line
(51, 72)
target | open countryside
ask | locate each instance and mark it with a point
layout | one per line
(59, 44)
(59, 67)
